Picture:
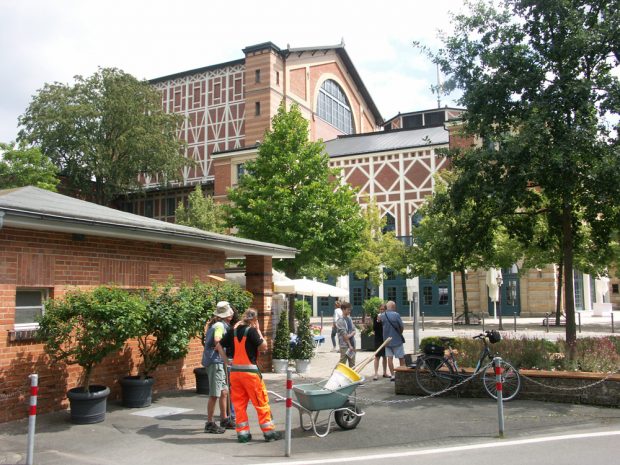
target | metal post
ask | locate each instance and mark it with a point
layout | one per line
(483, 322)
(321, 321)
(499, 387)
(416, 323)
(453, 322)
(579, 320)
(547, 323)
(515, 320)
(289, 408)
(422, 321)
(612, 322)
(32, 417)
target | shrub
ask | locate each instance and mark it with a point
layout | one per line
(84, 327)
(281, 343)
(598, 354)
(304, 348)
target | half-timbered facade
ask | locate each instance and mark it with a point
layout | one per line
(228, 107)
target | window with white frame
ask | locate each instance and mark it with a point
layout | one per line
(333, 106)
(28, 307)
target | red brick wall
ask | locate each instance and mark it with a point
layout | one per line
(55, 261)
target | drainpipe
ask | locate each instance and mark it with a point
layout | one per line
(1, 219)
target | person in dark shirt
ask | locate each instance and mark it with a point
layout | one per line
(243, 342)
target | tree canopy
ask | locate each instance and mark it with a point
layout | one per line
(26, 166)
(538, 82)
(103, 133)
(202, 212)
(289, 195)
(378, 249)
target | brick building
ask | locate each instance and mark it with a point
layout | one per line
(50, 243)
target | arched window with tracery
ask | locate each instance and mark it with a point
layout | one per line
(333, 107)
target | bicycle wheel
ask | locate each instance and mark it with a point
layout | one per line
(433, 374)
(511, 381)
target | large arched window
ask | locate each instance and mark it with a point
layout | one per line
(333, 106)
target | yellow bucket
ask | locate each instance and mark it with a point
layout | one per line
(342, 376)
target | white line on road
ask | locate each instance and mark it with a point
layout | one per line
(443, 450)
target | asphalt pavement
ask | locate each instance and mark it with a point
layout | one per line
(171, 430)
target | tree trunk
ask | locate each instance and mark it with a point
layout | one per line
(464, 290)
(558, 305)
(291, 312)
(569, 296)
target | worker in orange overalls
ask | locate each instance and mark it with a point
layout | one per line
(246, 382)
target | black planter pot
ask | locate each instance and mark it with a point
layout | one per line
(88, 407)
(368, 342)
(202, 380)
(136, 392)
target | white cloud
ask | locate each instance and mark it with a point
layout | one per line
(53, 40)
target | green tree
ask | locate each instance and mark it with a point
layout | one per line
(104, 133)
(290, 196)
(202, 213)
(538, 83)
(26, 166)
(378, 249)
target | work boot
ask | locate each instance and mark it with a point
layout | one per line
(212, 428)
(228, 423)
(243, 438)
(272, 436)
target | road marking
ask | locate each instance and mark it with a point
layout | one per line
(443, 450)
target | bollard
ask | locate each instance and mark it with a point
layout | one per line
(579, 320)
(547, 323)
(483, 322)
(515, 319)
(497, 365)
(289, 408)
(321, 321)
(32, 416)
(453, 322)
(422, 321)
(612, 323)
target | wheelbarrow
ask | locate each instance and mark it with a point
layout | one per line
(313, 398)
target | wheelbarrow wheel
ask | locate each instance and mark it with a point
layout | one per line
(346, 419)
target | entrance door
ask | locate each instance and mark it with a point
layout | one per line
(356, 294)
(395, 288)
(435, 297)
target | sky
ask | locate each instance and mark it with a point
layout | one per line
(45, 41)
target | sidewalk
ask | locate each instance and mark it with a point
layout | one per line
(391, 423)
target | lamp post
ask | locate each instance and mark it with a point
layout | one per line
(499, 300)
(413, 290)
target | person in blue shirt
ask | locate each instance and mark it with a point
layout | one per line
(393, 327)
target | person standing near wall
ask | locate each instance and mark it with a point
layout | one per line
(393, 327)
(346, 335)
(213, 358)
(337, 316)
(246, 382)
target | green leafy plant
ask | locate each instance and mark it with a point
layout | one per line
(304, 348)
(370, 308)
(84, 327)
(281, 343)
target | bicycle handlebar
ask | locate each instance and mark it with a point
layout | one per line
(482, 335)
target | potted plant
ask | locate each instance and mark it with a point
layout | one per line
(166, 325)
(281, 345)
(83, 328)
(303, 350)
(370, 308)
(205, 296)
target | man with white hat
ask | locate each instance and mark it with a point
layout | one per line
(213, 360)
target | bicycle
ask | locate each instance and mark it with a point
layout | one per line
(436, 371)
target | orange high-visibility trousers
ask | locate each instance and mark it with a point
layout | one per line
(246, 384)
(245, 387)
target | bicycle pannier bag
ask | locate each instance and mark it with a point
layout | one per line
(433, 349)
(494, 336)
